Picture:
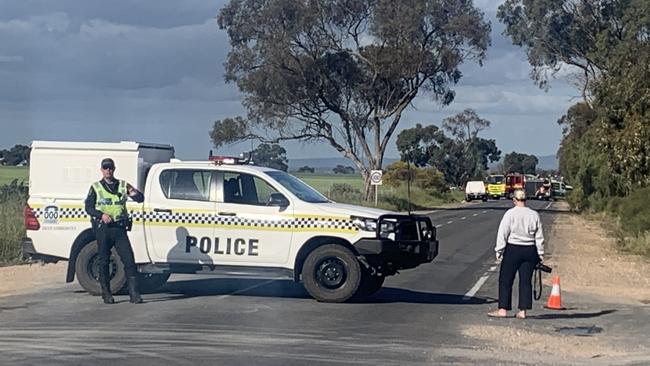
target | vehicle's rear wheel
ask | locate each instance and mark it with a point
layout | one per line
(331, 273)
(149, 282)
(87, 270)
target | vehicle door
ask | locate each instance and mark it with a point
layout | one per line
(180, 217)
(248, 230)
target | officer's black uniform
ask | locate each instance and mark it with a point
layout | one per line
(109, 235)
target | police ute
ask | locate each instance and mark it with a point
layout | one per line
(223, 216)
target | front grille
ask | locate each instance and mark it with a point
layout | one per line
(407, 230)
(408, 227)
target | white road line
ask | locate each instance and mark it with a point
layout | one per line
(479, 283)
(476, 287)
(475, 215)
(245, 289)
(439, 225)
(484, 211)
(549, 205)
(450, 222)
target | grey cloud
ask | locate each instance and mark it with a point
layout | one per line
(111, 56)
(523, 99)
(158, 14)
(152, 70)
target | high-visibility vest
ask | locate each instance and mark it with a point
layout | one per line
(114, 205)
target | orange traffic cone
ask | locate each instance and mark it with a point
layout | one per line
(555, 298)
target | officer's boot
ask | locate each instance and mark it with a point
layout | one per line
(134, 294)
(105, 284)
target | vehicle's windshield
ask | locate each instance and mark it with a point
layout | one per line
(495, 179)
(299, 188)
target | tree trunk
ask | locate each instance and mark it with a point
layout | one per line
(370, 188)
(366, 184)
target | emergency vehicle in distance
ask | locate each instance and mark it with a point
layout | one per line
(222, 216)
(496, 186)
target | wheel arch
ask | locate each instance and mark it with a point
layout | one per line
(84, 238)
(314, 243)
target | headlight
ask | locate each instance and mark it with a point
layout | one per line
(387, 230)
(364, 223)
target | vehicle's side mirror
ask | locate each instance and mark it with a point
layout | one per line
(278, 199)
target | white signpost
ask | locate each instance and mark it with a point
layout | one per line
(375, 180)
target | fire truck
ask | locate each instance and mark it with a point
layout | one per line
(514, 181)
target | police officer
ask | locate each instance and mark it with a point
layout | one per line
(106, 205)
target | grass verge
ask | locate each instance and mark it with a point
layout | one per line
(10, 173)
(13, 198)
(627, 219)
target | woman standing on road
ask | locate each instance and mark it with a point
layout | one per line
(520, 246)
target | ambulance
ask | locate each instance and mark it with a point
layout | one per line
(223, 216)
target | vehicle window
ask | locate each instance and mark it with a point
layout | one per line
(246, 189)
(495, 180)
(186, 184)
(299, 188)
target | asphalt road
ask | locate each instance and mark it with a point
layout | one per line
(415, 319)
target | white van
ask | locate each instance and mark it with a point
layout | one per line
(475, 190)
(222, 216)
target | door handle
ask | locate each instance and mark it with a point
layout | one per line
(227, 214)
(166, 210)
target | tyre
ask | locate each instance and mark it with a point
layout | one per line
(150, 282)
(331, 273)
(87, 269)
(369, 285)
(468, 199)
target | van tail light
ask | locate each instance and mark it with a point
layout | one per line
(31, 222)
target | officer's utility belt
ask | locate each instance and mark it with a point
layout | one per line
(126, 223)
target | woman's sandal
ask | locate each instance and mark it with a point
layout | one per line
(519, 315)
(496, 314)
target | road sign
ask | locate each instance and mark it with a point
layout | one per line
(375, 177)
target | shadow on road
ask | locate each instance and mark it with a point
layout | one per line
(233, 287)
(288, 289)
(572, 315)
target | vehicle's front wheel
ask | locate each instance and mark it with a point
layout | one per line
(331, 273)
(87, 270)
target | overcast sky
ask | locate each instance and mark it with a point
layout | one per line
(96, 70)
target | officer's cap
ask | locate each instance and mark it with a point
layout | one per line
(108, 163)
